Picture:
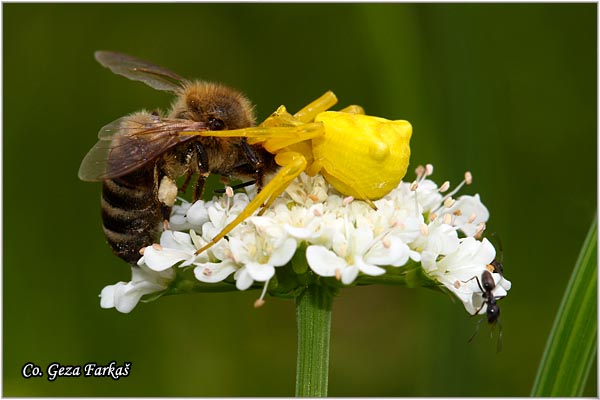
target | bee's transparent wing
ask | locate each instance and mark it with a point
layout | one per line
(129, 143)
(139, 70)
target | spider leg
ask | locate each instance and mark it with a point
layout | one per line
(353, 109)
(310, 111)
(274, 138)
(293, 165)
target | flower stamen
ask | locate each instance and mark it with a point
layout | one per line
(445, 186)
(338, 274)
(467, 181)
(261, 300)
(448, 219)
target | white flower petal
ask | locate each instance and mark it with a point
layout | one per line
(283, 253)
(214, 272)
(197, 214)
(260, 272)
(324, 262)
(176, 240)
(243, 280)
(389, 251)
(349, 274)
(367, 269)
(160, 260)
(107, 296)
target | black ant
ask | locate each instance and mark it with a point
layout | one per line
(487, 286)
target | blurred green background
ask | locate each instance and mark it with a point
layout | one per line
(507, 91)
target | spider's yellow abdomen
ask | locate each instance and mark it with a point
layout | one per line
(360, 155)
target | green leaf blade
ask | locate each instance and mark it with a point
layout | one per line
(572, 345)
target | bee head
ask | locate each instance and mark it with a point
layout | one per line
(219, 107)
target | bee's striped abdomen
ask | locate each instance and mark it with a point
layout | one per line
(132, 216)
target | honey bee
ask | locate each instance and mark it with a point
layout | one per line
(210, 130)
(138, 157)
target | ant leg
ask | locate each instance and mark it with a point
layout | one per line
(476, 331)
(296, 163)
(499, 345)
(478, 283)
(479, 309)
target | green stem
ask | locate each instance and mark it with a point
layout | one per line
(313, 319)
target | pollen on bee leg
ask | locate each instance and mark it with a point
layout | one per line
(167, 191)
(157, 247)
(347, 200)
(490, 268)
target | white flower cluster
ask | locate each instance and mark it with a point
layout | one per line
(343, 239)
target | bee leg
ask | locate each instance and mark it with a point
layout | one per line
(199, 187)
(256, 162)
(292, 165)
(188, 178)
(235, 187)
(203, 171)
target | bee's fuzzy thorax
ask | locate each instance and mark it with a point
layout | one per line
(203, 100)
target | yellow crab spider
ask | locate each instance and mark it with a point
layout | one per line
(359, 155)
